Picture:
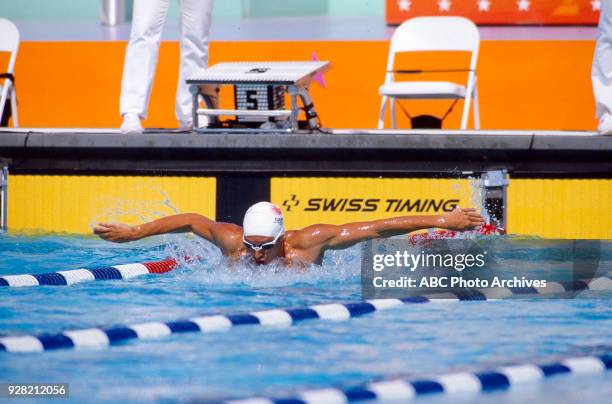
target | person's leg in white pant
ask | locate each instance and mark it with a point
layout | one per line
(195, 26)
(140, 61)
(601, 73)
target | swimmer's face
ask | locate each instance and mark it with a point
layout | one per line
(262, 248)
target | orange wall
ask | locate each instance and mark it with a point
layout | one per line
(523, 84)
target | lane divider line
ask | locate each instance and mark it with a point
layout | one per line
(402, 390)
(103, 337)
(63, 278)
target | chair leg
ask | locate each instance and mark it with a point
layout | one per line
(466, 111)
(3, 100)
(14, 107)
(392, 110)
(381, 116)
(476, 109)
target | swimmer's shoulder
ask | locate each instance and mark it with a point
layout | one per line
(227, 236)
(309, 237)
(300, 255)
(228, 227)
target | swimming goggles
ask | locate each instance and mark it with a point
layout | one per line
(263, 246)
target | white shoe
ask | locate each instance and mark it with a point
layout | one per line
(605, 124)
(131, 124)
(186, 126)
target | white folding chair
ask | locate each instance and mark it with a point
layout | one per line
(9, 42)
(432, 34)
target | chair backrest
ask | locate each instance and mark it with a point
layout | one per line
(9, 42)
(435, 34)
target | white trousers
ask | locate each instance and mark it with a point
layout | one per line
(601, 73)
(148, 21)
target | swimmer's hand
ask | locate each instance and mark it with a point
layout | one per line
(461, 219)
(116, 232)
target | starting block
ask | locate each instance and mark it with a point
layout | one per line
(259, 95)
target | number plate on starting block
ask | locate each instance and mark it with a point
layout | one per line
(258, 97)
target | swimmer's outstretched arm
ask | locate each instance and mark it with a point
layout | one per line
(344, 236)
(181, 223)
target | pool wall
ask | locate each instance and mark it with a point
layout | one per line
(552, 208)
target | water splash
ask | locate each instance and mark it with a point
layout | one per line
(212, 269)
(119, 209)
(477, 197)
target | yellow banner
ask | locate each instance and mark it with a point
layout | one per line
(572, 208)
(575, 208)
(307, 201)
(73, 204)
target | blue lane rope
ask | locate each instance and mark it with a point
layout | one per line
(63, 278)
(104, 337)
(405, 389)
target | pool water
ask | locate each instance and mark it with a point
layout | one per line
(246, 361)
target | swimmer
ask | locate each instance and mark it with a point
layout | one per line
(263, 236)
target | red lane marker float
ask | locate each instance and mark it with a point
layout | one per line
(161, 267)
(85, 275)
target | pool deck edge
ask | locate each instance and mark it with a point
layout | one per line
(351, 151)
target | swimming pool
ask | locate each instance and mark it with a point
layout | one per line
(257, 361)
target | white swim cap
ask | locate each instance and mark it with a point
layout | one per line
(263, 219)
